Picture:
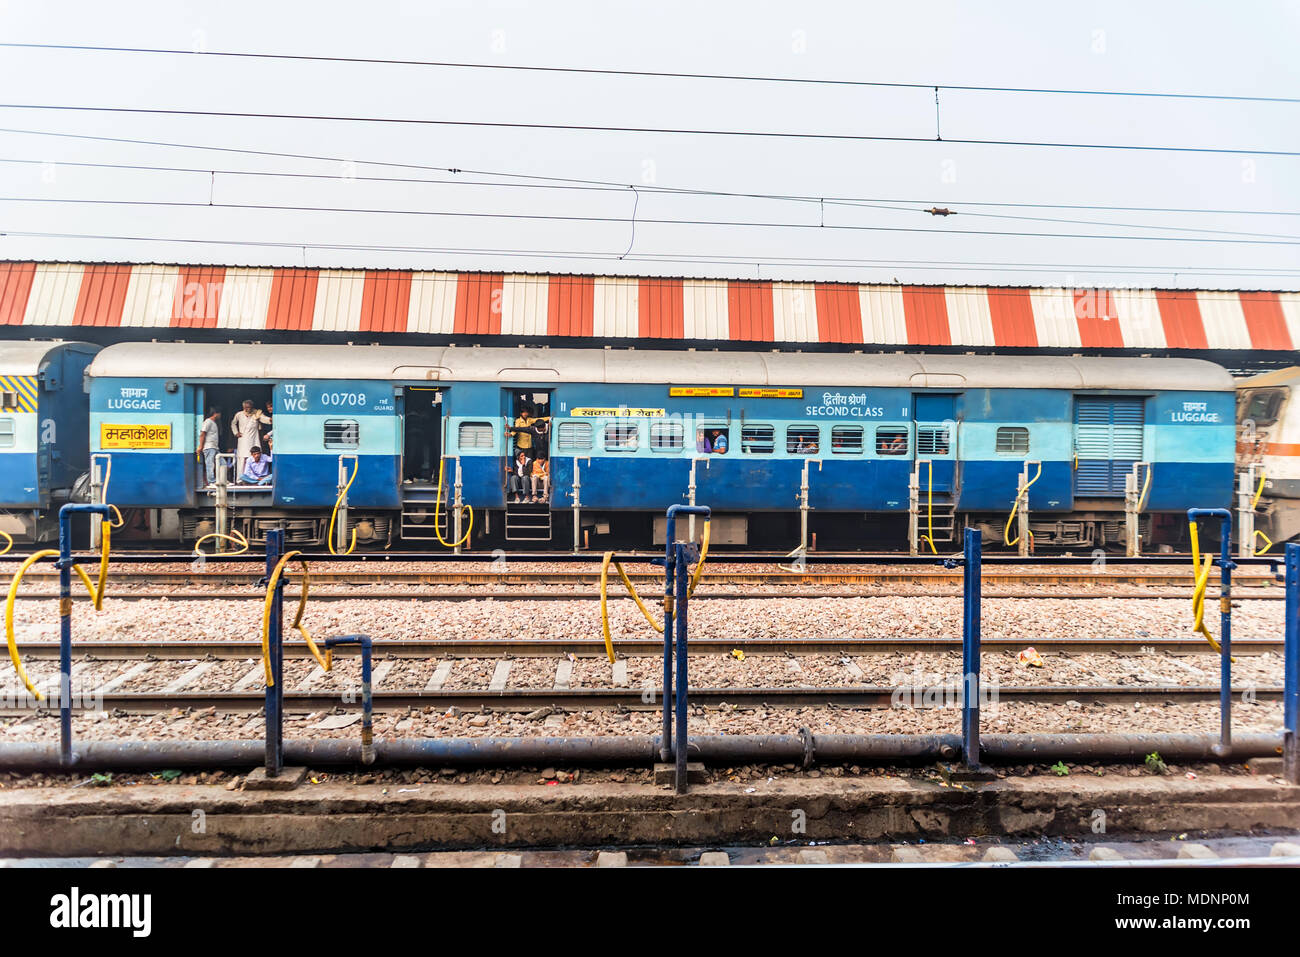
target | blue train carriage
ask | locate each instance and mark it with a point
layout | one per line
(314, 408)
(43, 408)
(855, 431)
(631, 432)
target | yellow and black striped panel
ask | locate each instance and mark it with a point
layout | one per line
(21, 386)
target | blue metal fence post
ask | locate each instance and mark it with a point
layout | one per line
(970, 649)
(1291, 688)
(275, 690)
(666, 738)
(367, 700)
(681, 682)
(64, 565)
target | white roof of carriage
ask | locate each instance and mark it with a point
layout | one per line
(26, 358)
(252, 362)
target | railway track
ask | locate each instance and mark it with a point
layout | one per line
(1180, 578)
(639, 647)
(634, 699)
(256, 594)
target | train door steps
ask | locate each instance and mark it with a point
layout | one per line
(593, 808)
(417, 520)
(942, 516)
(528, 522)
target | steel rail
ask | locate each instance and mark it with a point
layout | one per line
(200, 649)
(634, 699)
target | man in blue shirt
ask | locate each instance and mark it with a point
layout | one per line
(257, 468)
(719, 442)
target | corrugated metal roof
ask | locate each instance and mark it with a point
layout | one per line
(451, 364)
(514, 305)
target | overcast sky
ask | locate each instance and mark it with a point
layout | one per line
(1243, 49)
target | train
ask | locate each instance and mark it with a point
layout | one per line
(383, 446)
(1268, 452)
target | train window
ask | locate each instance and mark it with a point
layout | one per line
(667, 436)
(757, 439)
(891, 441)
(342, 433)
(802, 439)
(620, 438)
(1012, 440)
(6, 433)
(476, 435)
(573, 437)
(1262, 407)
(8, 400)
(932, 440)
(846, 439)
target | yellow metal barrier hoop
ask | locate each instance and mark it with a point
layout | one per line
(297, 620)
(627, 583)
(96, 594)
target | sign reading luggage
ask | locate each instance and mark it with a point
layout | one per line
(135, 436)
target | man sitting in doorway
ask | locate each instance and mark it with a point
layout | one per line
(541, 477)
(257, 468)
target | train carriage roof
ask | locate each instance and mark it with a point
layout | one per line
(27, 358)
(1288, 377)
(251, 362)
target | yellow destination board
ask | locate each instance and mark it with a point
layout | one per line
(697, 390)
(624, 413)
(771, 393)
(135, 436)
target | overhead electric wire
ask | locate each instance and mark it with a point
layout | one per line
(882, 205)
(659, 131)
(627, 220)
(758, 261)
(655, 74)
(568, 182)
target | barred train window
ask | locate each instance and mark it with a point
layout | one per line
(6, 433)
(573, 437)
(620, 438)
(758, 439)
(802, 439)
(846, 439)
(891, 441)
(666, 436)
(342, 433)
(932, 441)
(1013, 440)
(476, 435)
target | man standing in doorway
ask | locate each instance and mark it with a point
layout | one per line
(244, 425)
(210, 445)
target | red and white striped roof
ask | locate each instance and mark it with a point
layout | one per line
(379, 302)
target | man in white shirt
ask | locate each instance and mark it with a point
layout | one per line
(209, 444)
(244, 425)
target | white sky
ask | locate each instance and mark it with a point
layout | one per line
(1189, 47)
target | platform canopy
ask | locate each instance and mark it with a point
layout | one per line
(247, 302)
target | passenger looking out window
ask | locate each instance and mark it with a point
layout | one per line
(210, 445)
(257, 468)
(541, 477)
(245, 426)
(711, 441)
